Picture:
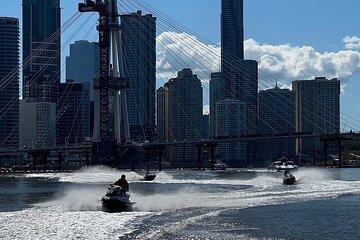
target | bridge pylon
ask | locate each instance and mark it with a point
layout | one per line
(110, 81)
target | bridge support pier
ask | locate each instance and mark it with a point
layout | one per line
(326, 152)
(199, 152)
(154, 151)
(212, 157)
(87, 158)
(208, 147)
(161, 159)
(340, 152)
(60, 161)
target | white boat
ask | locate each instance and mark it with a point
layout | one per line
(220, 166)
(283, 165)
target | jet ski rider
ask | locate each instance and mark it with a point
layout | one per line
(287, 173)
(123, 184)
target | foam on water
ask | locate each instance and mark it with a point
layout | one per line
(77, 209)
(53, 223)
(100, 174)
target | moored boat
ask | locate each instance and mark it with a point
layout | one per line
(282, 165)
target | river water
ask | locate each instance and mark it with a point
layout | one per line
(234, 204)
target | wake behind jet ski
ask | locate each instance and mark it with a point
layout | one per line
(149, 177)
(289, 178)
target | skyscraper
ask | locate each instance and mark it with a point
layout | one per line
(82, 65)
(162, 114)
(232, 30)
(37, 124)
(41, 49)
(9, 82)
(216, 95)
(247, 89)
(238, 79)
(277, 115)
(231, 121)
(73, 123)
(317, 111)
(185, 111)
(139, 46)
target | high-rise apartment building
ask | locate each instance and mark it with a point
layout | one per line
(162, 114)
(73, 123)
(216, 95)
(41, 49)
(231, 121)
(9, 82)
(317, 111)
(37, 124)
(139, 47)
(185, 111)
(277, 115)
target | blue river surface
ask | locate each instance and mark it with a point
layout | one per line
(232, 204)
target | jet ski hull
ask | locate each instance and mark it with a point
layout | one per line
(149, 177)
(289, 180)
(115, 204)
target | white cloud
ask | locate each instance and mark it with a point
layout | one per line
(352, 42)
(176, 51)
(284, 63)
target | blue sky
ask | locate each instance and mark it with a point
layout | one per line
(321, 24)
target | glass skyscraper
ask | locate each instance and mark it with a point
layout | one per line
(139, 47)
(9, 82)
(41, 49)
(73, 124)
(238, 79)
(82, 65)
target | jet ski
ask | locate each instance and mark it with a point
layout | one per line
(116, 200)
(289, 179)
(149, 177)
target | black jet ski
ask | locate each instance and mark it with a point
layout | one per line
(289, 179)
(116, 200)
(149, 177)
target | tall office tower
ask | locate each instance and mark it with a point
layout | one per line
(82, 65)
(37, 124)
(248, 93)
(139, 46)
(41, 50)
(73, 125)
(317, 111)
(185, 111)
(9, 82)
(277, 115)
(216, 95)
(232, 30)
(231, 119)
(162, 114)
(205, 123)
(240, 76)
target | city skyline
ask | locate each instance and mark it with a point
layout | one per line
(318, 35)
(181, 119)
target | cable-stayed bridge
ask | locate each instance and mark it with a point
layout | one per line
(110, 145)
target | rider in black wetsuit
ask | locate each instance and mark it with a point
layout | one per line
(123, 184)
